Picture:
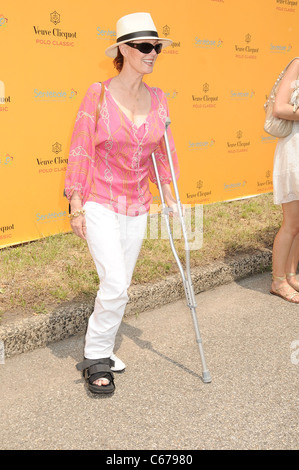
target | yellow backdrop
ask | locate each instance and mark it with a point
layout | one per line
(225, 57)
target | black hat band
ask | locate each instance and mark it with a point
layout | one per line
(138, 34)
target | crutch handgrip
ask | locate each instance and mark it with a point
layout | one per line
(167, 210)
(167, 122)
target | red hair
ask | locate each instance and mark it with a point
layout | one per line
(118, 62)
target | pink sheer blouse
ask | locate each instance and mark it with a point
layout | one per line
(110, 163)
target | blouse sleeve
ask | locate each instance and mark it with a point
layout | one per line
(82, 148)
(161, 153)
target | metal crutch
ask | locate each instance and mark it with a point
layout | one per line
(187, 282)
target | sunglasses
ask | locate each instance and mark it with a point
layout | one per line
(145, 47)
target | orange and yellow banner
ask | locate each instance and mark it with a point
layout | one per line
(224, 60)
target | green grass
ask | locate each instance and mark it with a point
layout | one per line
(38, 276)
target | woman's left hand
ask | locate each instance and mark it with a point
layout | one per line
(170, 201)
(174, 209)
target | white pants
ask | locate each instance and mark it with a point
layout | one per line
(114, 241)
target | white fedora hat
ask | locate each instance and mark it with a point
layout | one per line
(135, 26)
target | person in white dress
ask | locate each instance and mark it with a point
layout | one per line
(285, 253)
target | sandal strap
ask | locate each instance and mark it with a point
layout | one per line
(94, 369)
(290, 274)
(289, 295)
(87, 363)
(98, 368)
(279, 278)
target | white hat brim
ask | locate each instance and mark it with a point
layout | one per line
(111, 51)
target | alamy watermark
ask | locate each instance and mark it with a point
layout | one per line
(164, 223)
(295, 352)
(190, 228)
(2, 352)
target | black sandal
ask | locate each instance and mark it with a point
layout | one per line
(94, 369)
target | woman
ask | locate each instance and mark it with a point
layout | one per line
(119, 124)
(286, 190)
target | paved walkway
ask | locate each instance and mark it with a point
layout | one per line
(251, 343)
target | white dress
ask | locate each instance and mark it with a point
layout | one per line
(286, 168)
(286, 160)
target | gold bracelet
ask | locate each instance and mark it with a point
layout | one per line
(77, 213)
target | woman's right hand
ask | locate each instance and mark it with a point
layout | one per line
(78, 225)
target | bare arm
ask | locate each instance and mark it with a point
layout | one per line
(282, 109)
(169, 199)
